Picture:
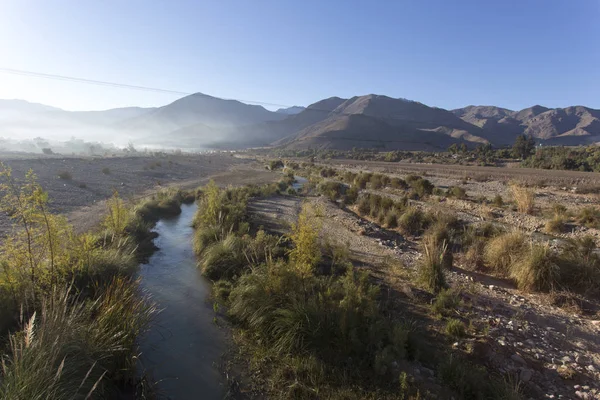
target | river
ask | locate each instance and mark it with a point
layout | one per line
(183, 346)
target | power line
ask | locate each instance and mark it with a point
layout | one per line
(120, 85)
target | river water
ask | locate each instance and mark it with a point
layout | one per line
(183, 346)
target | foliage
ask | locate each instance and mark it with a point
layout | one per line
(537, 270)
(74, 350)
(524, 198)
(455, 328)
(589, 216)
(523, 146)
(65, 175)
(305, 236)
(118, 215)
(431, 266)
(501, 252)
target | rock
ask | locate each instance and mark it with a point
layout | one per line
(582, 359)
(526, 375)
(590, 368)
(566, 359)
(517, 358)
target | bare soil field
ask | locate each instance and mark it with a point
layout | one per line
(87, 182)
(530, 175)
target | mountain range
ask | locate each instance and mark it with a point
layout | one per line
(200, 121)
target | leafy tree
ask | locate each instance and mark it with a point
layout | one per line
(453, 148)
(39, 247)
(523, 147)
(305, 236)
(118, 215)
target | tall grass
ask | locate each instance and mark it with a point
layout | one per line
(72, 349)
(524, 198)
(431, 266)
(501, 252)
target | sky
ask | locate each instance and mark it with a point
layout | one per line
(448, 54)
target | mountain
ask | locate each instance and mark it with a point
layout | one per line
(377, 121)
(370, 121)
(290, 110)
(21, 108)
(199, 109)
(571, 125)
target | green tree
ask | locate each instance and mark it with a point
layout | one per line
(305, 236)
(453, 149)
(523, 146)
(118, 215)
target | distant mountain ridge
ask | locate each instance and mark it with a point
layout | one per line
(368, 121)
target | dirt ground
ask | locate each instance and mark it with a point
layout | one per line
(93, 180)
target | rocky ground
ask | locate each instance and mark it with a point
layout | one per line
(542, 343)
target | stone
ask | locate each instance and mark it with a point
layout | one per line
(517, 358)
(526, 375)
(590, 368)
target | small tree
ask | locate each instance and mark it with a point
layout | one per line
(305, 236)
(118, 215)
(523, 147)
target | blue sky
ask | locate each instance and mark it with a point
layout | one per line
(443, 53)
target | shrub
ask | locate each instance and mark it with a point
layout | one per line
(474, 256)
(455, 328)
(457, 192)
(364, 206)
(524, 198)
(439, 235)
(503, 251)
(537, 270)
(431, 266)
(420, 186)
(76, 350)
(223, 259)
(351, 195)
(413, 221)
(65, 175)
(306, 253)
(446, 300)
(82, 185)
(498, 201)
(275, 164)
(398, 183)
(555, 225)
(580, 266)
(391, 219)
(106, 171)
(333, 190)
(589, 216)
(559, 209)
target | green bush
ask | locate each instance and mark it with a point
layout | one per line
(498, 201)
(455, 328)
(413, 221)
(445, 301)
(589, 216)
(501, 252)
(456, 192)
(65, 175)
(223, 259)
(391, 219)
(76, 350)
(106, 171)
(537, 270)
(421, 187)
(431, 266)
